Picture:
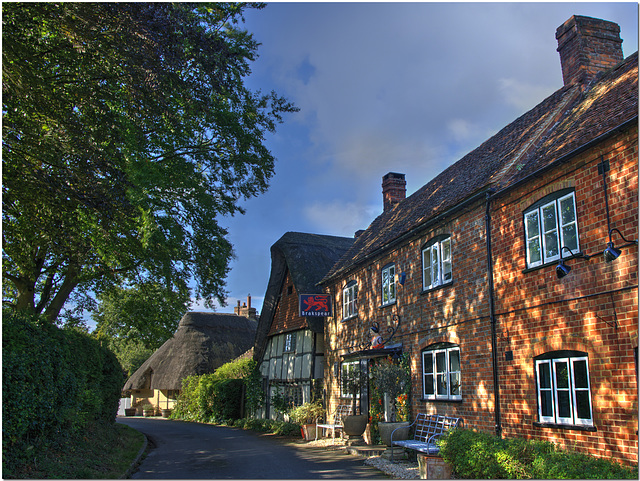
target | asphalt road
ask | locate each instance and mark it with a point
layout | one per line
(183, 450)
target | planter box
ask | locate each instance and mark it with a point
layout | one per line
(433, 467)
(387, 428)
(308, 432)
(130, 411)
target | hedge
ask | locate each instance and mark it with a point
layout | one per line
(54, 382)
(208, 398)
(479, 455)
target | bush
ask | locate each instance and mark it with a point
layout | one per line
(478, 455)
(54, 382)
(307, 413)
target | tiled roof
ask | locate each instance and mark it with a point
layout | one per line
(565, 121)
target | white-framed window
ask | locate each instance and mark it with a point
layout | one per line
(350, 300)
(563, 389)
(389, 284)
(550, 225)
(441, 375)
(348, 371)
(290, 342)
(436, 263)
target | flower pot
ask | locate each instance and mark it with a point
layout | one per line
(166, 413)
(130, 411)
(355, 425)
(308, 432)
(148, 413)
(387, 428)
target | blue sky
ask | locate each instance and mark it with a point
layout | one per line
(387, 87)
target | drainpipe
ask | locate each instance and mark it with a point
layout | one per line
(492, 317)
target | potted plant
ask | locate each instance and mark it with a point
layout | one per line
(393, 379)
(354, 424)
(306, 415)
(148, 410)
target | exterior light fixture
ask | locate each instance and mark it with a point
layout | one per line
(563, 269)
(611, 253)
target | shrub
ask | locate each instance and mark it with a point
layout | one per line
(478, 455)
(54, 382)
(307, 413)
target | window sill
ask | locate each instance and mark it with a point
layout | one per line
(430, 400)
(579, 255)
(436, 288)
(572, 427)
(383, 306)
(345, 319)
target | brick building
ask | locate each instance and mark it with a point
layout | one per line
(493, 277)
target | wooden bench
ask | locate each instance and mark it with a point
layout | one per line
(341, 411)
(427, 429)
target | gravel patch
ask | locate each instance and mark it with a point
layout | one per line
(401, 469)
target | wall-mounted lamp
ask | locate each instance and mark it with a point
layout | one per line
(611, 253)
(402, 277)
(562, 269)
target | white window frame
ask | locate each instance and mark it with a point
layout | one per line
(550, 237)
(290, 342)
(389, 288)
(350, 300)
(432, 376)
(437, 267)
(556, 389)
(345, 368)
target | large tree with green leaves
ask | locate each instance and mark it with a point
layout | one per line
(127, 131)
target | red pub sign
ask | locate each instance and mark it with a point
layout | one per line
(315, 305)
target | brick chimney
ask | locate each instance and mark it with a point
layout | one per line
(587, 46)
(394, 189)
(246, 310)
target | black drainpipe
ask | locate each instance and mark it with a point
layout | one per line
(492, 317)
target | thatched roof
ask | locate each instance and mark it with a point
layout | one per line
(203, 342)
(308, 258)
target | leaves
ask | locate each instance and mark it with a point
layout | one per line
(127, 131)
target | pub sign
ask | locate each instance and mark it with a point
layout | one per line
(315, 305)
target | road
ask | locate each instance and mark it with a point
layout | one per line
(184, 450)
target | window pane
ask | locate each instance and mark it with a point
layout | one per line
(533, 247)
(583, 405)
(426, 263)
(562, 374)
(581, 379)
(533, 230)
(442, 384)
(544, 375)
(570, 238)
(546, 403)
(428, 385)
(435, 270)
(551, 248)
(441, 361)
(567, 211)
(455, 383)
(454, 360)
(427, 362)
(549, 220)
(564, 404)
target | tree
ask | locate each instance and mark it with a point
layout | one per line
(127, 132)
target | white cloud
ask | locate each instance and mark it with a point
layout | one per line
(340, 218)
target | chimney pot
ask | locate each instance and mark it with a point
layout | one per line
(587, 46)
(394, 189)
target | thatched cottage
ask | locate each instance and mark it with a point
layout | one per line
(203, 342)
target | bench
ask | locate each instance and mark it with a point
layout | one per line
(427, 429)
(341, 411)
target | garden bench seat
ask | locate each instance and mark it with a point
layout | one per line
(340, 412)
(427, 429)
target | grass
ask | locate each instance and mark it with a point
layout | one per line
(101, 451)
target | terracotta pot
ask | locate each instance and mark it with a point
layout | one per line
(387, 428)
(355, 425)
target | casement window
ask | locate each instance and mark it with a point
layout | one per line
(389, 284)
(550, 225)
(563, 388)
(441, 372)
(348, 371)
(290, 342)
(350, 300)
(436, 263)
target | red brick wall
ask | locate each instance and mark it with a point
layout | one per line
(535, 312)
(538, 313)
